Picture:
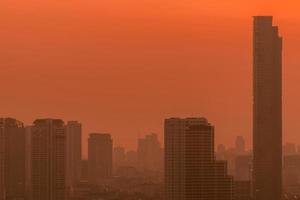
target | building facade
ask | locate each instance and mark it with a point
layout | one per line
(12, 159)
(100, 147)
(48, 160)
(73, 153)
(267, 110)
(191, 171)
(291, 174)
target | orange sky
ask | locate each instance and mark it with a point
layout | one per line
(122, 66)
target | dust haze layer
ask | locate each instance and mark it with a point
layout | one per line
(124, 66)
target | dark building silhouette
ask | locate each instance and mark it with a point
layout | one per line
(191, 171)
(240, 145)
(100, 147)
(28, 167)
(12, 159)
(149, 154)
(73, 153)
(243, 167)
(221, 149)
(291, 174)
(84, 171)
(131, 158)
(2, 152)
(267, 109)
(48, 158)
(119, 158)
(289, 149)
(242, 190)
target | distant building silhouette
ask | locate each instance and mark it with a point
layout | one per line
(12, 159)
(229, 155)
(267, 109)
(73, 153)
(100, 147)
(84, 171)
(240, 145)
(191, 171)
(289, 149)
(291, 174)
(48, 156)
(131, 158)
(243, 167)
(298, 149)
(221, 149)
(149, 154)
(119, 157)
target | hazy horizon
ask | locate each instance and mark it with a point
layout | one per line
(123, 68)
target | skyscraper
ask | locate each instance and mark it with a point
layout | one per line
(73, 153)
(48, 153)
(191, 171)
(267, 109)
(12, 159)
(99, 158)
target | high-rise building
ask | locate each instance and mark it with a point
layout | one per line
(191, 171)
(150, 155)
(267, 109)
(48, 156)
(12, 159)
(73, 153)
(100, 147)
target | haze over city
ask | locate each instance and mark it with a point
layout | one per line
(149, 100)
(123, 66)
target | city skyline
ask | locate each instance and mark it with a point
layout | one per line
(82, 44)
(190, 141)
(149, 100)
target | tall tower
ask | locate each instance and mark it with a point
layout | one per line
(99, 158)
(191, 171)
(48, 153)
(12, 159)
(267, 110)
(73, 153)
